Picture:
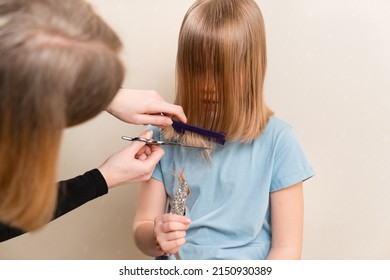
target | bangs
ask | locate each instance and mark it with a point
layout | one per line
(221, 62)
(200, 72)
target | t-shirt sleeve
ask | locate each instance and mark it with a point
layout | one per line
(290, 163)
(157, 174)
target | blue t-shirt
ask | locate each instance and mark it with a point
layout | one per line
(229, 201)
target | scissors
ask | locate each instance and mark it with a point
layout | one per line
(159, 142)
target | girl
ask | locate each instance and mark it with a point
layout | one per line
(246, 199)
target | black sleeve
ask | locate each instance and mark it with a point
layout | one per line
(75, 192)
(72, 193)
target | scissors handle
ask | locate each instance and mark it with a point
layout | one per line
(142, 139)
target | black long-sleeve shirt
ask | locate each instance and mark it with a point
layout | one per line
(72, 193)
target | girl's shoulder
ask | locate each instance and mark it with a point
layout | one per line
(277, 132)
(277, 126)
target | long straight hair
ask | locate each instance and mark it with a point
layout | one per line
(59, 67)
(220, 69)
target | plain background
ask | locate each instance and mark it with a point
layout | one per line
(328, 76)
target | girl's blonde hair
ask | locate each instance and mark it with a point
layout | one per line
(59, 67)
(222, 45)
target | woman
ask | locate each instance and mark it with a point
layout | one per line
(59, 67)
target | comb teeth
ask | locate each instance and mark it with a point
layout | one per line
(181, 128)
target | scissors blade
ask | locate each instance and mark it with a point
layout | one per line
(183, 145)
(159, 143)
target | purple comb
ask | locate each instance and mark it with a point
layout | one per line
(181, 128)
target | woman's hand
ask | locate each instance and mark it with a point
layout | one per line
(135, 163)
(144, 107)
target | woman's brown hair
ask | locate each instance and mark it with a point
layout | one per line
(59, 67)
(220, 69)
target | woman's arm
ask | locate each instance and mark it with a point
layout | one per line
(287, 223)
(150, 222)
(72, 193)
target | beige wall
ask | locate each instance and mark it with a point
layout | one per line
(328, 76)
